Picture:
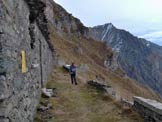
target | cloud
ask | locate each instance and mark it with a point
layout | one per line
(153, 34)
(155, 37)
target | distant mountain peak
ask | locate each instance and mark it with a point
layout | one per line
(108, 24)
(139, 58)
(107, 27)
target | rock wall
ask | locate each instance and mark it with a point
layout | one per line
(151, 110)
(23, 26)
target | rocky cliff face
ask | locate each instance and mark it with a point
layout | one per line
(62, 20)
(140, 58)
(23, 26)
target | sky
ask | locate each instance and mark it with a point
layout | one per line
(143, 18)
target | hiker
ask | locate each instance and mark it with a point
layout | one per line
(110, 59)
(73, 73)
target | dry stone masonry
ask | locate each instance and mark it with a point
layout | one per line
(23, 27)
(151, 110)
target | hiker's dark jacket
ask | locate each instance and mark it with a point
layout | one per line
(72, 69)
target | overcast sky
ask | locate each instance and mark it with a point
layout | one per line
(141, 17)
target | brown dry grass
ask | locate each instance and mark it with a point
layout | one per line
(82, 103)
(94, 53)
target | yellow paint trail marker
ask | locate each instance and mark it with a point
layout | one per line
(23, 60)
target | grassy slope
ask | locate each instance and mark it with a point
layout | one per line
(82, 103)
(94, 53)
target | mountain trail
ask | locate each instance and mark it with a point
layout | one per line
(82, 103)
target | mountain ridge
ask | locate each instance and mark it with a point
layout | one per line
(129, 49)
(92, 55)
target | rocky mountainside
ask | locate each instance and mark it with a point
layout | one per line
(63, 21)
(36, 35)
(139, 58)
(128, 48)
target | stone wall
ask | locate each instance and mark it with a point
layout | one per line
(22, 28)
(151, 110)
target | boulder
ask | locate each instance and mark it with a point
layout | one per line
(47, 92)
(98, 85)
(66, 67)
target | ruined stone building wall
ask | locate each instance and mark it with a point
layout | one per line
(23, 27)
(150, 110)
